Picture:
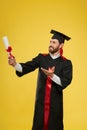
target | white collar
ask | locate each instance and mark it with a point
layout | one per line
(54, 56)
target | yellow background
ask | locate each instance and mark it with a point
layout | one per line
(27, 24)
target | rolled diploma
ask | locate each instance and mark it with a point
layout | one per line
(5, 41)
(7, 46)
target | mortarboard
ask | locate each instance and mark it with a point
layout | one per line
(59, 36)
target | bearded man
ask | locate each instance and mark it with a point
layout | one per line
(54, 74)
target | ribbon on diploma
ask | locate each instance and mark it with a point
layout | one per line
(9, 52)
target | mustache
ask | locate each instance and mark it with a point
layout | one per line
(51, 47)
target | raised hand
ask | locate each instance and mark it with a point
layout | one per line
(12, 61)
(49, 72)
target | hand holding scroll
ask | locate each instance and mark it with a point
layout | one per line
(11, 58)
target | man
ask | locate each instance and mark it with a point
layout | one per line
(55, 74)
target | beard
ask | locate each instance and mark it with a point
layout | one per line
(53, 50)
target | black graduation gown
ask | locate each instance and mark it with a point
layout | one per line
(63, 68)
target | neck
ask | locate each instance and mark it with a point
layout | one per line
(55, 55)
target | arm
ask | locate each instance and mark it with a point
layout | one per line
(66, 75)
(24, 68)
(65, 78)
(18, 67)
(54, 77)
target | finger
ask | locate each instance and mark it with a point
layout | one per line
(46, 71)
(53, 68)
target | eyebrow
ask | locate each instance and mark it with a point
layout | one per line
(53, 40)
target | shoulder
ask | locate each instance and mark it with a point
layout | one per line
(65, 61)
(43, 54)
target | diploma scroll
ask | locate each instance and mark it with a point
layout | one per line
(7, 46)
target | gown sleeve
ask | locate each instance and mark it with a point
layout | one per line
(29, 66)
(18, 67)
(56, 79)
(66, 75)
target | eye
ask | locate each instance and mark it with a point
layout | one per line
(50, 41)
(54, 42)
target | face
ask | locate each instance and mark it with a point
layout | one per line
(54, 46)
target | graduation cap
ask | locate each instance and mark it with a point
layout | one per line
(59, 36)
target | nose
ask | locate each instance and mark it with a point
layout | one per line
(51, 43)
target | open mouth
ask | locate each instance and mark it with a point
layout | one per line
(51, 47)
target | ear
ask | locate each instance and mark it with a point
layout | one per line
(61, 45)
